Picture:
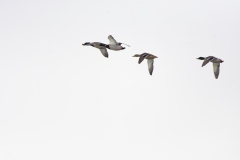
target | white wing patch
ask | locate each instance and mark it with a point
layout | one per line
(112, 40)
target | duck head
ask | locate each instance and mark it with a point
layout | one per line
(201, 58)
(87, 44)
(137, 55)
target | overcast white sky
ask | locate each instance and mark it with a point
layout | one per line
(61, 100)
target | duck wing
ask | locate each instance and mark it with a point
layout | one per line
(150, 66)
(207, 59)
(216, 69)
(112, 40)
(142, 57)
(104, 52)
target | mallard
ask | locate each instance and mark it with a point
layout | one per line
(114, 45)
(216, 64)
(149, 58)
(98, 45)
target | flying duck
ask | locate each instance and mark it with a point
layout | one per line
(98, 45)
(216, 64)
(149, 58)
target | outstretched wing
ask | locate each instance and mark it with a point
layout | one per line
(207, 59)
(104, 52)
(216, 69)
(112, 40)
(150, 66)
(142, 57)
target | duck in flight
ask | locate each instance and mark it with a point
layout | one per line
(216, 63)
(101, 46)
(150, 59)
(113, 45)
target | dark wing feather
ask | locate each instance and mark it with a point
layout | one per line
(142, 57)
(206, 60)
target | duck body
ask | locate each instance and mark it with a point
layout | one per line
(95, 44)
(150, 60)
(216, 64)
(98, 45)
(115, 47)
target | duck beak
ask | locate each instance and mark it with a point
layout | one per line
(123, 47)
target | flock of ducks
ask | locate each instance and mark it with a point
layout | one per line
(116, 46)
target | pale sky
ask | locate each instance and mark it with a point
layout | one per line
(61, 100)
